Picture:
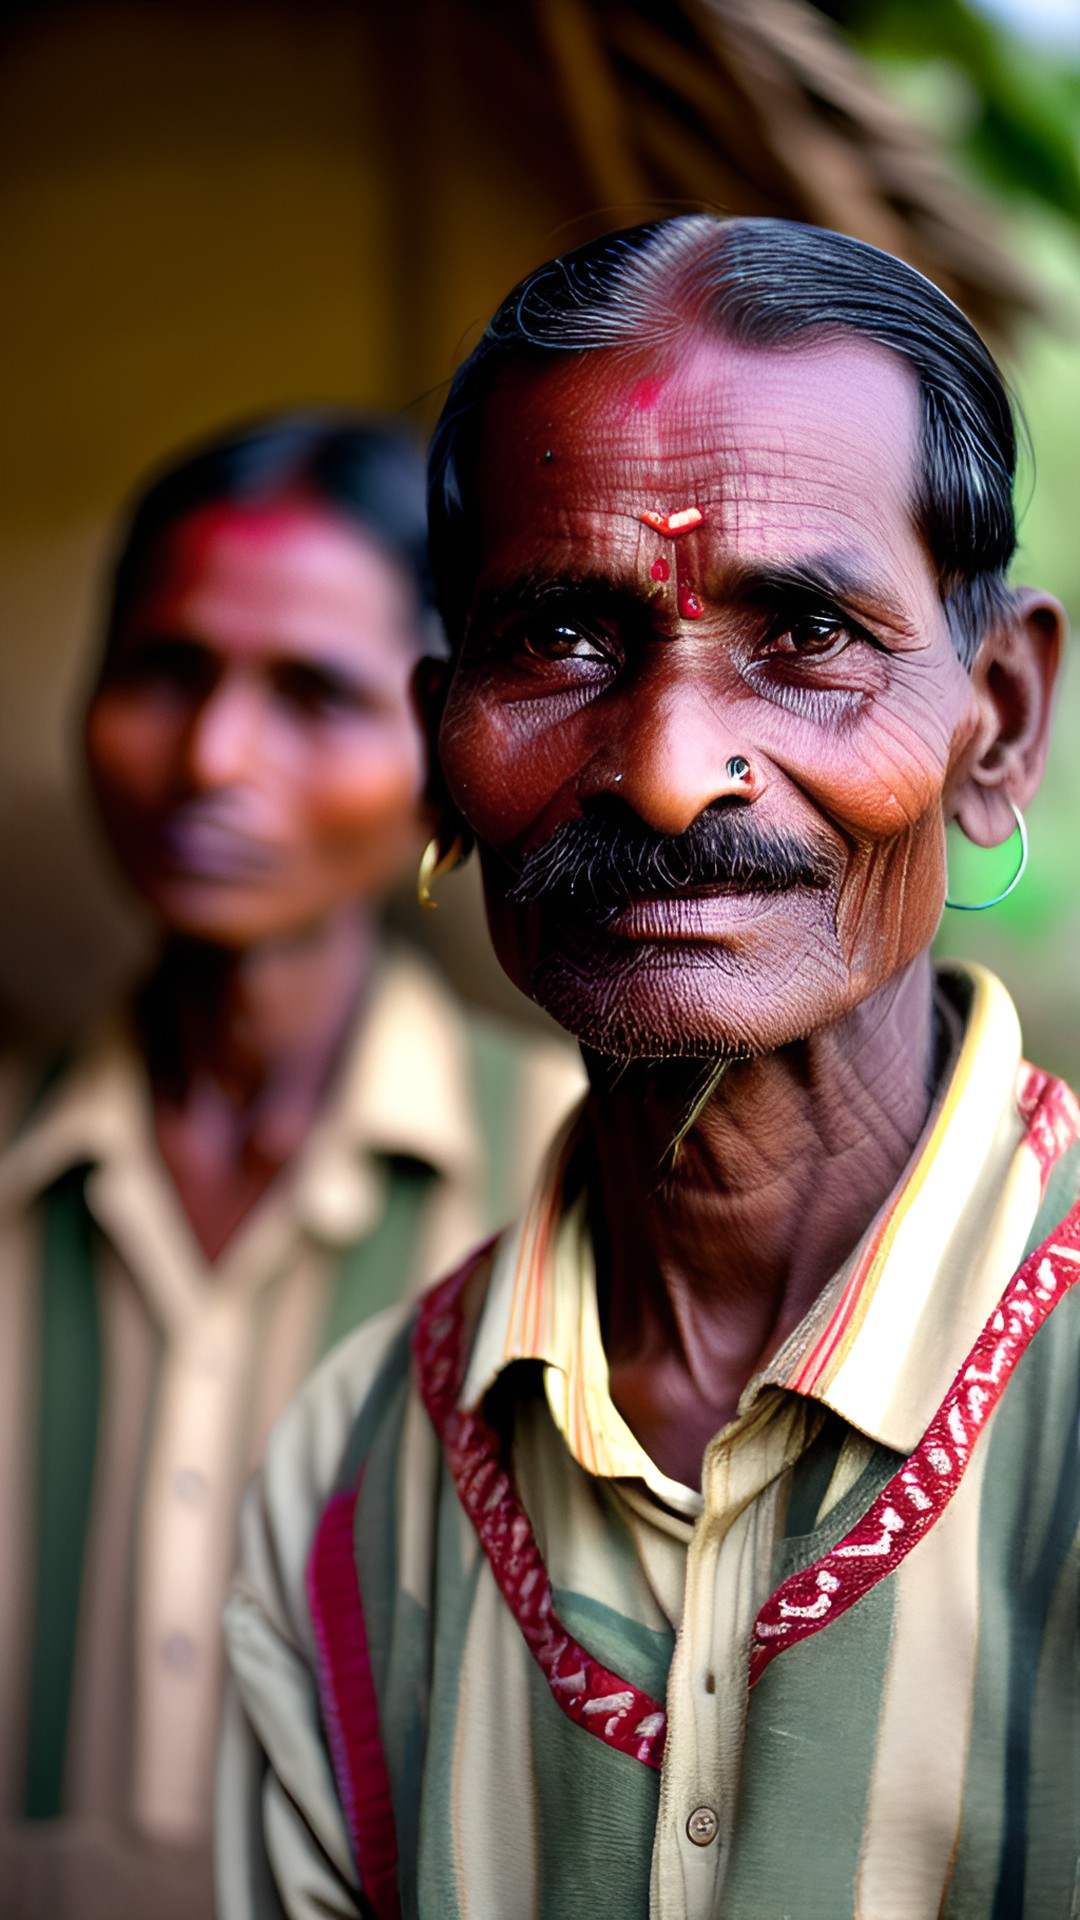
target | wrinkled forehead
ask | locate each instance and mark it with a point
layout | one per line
(819, 440)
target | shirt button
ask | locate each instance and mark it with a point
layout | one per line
(702, 1826)
(179, 1652)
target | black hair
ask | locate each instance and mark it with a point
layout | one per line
(762, 283)
(361, 467)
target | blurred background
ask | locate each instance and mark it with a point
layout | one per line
(213, 210)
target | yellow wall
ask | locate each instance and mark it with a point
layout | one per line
(205, 211)
(208, 210)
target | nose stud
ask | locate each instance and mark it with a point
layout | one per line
(737, 769)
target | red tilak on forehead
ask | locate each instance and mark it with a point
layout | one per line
(672, 524)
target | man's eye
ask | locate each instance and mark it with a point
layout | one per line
(562, 642)
(811, 637)
(161, 661)
(314, 690)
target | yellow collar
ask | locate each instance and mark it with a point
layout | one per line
(882, 1343)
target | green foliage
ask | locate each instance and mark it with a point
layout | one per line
(1009, 113)
(1011, 109)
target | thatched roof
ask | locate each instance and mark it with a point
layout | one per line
(521, 129)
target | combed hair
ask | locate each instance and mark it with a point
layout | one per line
(756, 283)
(359, 466)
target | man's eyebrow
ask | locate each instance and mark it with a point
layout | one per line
(831, 575)
(536, 589)
(825, 575)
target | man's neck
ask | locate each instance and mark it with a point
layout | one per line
(709, 1255)
(271, 1014)
(240, 1049)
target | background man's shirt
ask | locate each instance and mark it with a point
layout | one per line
(122, 1351)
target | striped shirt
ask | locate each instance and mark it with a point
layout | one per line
(512, 1677)
(138, 1385)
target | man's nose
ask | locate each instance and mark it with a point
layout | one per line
(675, 750)
(223, 738)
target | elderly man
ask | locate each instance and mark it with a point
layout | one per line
(706, 1546)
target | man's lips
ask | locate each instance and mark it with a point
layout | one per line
(703, 916)
(203, 848)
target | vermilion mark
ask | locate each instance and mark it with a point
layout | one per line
(647, 392)
(672, 524)
(660, 570)
(689, 605)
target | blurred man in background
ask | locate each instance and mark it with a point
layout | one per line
(293, 1122)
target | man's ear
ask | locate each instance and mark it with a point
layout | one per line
(1013, 678)
(429, 687)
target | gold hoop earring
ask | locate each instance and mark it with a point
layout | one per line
(434, 863)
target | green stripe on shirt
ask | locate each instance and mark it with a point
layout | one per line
(811, 1732)
(496, 1073)
(373, 1273)
(1020, 1802)
(70, 1393)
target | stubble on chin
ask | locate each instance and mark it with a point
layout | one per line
(646, 1000)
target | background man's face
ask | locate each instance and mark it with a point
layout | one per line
(251, 742)
(615, 674)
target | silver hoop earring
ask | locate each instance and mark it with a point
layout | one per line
(979, 906)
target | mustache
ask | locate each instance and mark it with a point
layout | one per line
(596, 865)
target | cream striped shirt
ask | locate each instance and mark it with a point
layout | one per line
(196, 1363)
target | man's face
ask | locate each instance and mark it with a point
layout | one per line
(778, 677)
(251, 741)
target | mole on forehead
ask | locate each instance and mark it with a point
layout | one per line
(575, 456)
(671, 478)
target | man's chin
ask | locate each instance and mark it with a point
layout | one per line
(645, 1006)
(230, 917)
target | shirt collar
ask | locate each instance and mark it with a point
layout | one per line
(541, 1305)
(87, 1112)
(890, 1332)
(884, 1340)
(403, 1089)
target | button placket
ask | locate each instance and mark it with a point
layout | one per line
(184, 1559)
(727, 1562)
(190, 1486)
